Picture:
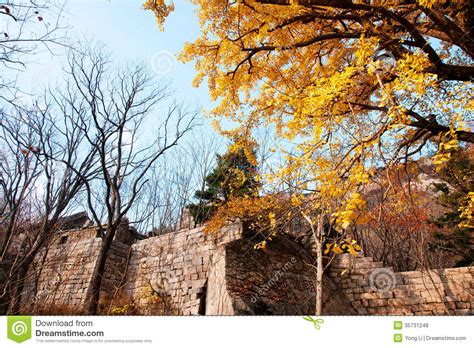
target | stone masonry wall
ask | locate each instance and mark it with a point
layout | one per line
(190, 272)
(168, 274)
(376, 290)
(277, 280)
(59, 280)
(61, 274)
(115, 273)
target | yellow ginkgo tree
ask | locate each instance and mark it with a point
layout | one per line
(347, 86)
(352, 85)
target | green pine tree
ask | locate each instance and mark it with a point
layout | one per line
(234, 176)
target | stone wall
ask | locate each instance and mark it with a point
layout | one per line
(277, 280)
(116, 270)
(190, 272)
(59, 280)
(376, 290)
(168, 274)
(61, 274)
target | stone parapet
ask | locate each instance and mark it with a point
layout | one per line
(376, 290)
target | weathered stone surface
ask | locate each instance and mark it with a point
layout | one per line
(272, 281)
(414, 293)
(190, 272)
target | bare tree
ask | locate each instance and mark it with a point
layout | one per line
(110, 110)
(27, 27)
(64, 162)
(165, 193)
(173, 182)
(19, 170)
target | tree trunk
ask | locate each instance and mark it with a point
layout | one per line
(318, 237)
(8, 237)
(97, 275)
(37, 278)
(23, 268)
(15, 304)
(319, 267)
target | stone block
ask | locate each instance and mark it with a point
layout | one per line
(464, 312)
(450, 305)
(463, 305)
(370, 296)
(430, 294)
(378, 303)
(378, 311)
(402, 293)
(413, 280)
(413, 301)
(198, 283)
(386, 294)
(395, 302)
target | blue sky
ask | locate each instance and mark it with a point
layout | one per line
(130, 34)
